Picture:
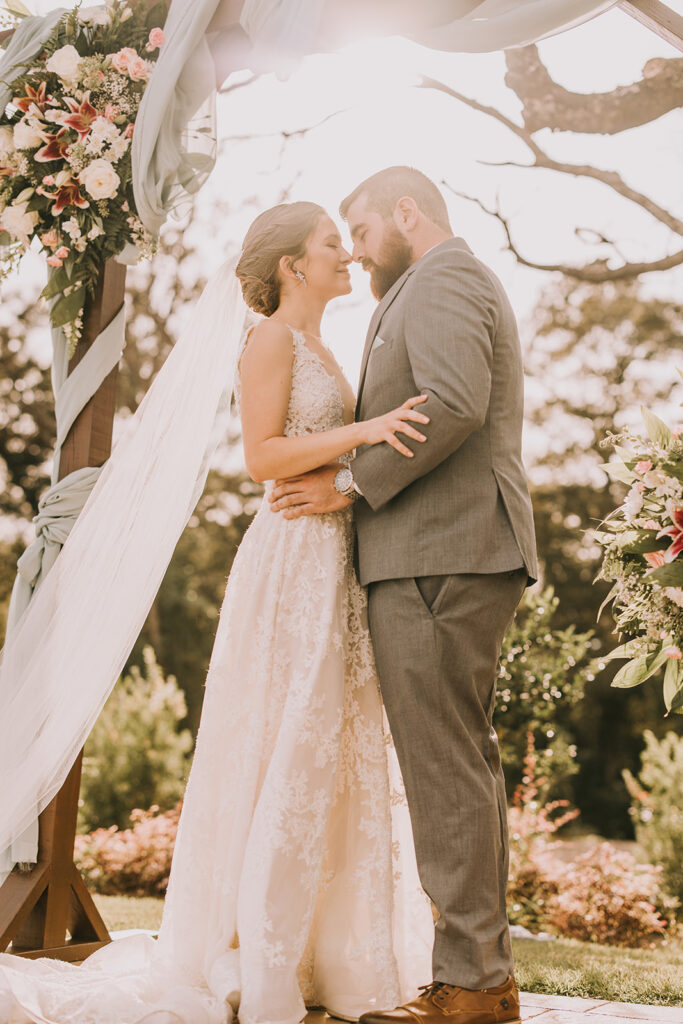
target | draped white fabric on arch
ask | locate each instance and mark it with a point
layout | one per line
(75, 635)
(282, 31)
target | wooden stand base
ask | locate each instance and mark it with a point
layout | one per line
(49, 911)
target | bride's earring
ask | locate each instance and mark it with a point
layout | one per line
(301, 277)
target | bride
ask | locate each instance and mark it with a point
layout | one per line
(293, 880)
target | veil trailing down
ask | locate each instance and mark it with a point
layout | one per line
(73, 640)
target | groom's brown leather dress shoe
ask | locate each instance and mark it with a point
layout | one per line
(439, 1003)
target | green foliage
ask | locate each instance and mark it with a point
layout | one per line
(589, 360)
(136, 756)
(657, 806)
(543, 673)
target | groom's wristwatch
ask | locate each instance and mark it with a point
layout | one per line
(345, 484)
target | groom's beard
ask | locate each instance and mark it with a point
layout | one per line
(395, 256)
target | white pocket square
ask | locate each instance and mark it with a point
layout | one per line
(376, 343)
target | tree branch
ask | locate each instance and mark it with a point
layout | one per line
(545, 104)
(542, 159)
(596, 273)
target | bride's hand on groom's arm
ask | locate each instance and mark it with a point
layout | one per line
(314, 492)
(309, 494)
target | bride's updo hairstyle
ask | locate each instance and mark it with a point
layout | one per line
(281, 231)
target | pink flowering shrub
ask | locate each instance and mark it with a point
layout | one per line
(607, 897)
(604, 896)
(135, 861)
(533, 874)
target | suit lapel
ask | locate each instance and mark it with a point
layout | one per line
(448, 243)
(374, 326)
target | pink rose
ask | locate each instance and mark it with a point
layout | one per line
(128, 134)
(62, 253)
(51, 238)
(655, 558)
(122, 59)
(644, 466)
(54, 261)
(673, 652)
(138, 69)
(156, 39)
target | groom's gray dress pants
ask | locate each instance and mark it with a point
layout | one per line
(437, 642)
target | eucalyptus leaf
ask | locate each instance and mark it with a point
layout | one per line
(646, 542)
(626, 538)
(656, 428)
(613, 592)
(677, 703)
(17, 8)
(670, 575)
(618, 471)
(673, 680)
(633, 673)
(68, 307)
(56, 283)
(627, 650)
(637, 671)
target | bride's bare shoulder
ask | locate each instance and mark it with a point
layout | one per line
(269, 345)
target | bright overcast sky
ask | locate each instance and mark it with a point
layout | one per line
(388, 121)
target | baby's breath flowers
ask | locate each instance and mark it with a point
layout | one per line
(643, 542)
(65, 141)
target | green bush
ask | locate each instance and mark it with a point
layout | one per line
(136, 756)
(543, 673)
(657, 807)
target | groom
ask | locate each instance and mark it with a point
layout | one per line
(446, 547)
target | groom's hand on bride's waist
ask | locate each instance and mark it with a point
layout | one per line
(309, 494)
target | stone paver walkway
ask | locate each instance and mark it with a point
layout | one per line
(544, 1009)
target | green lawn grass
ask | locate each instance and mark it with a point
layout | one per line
(559, 967)
(565, 967)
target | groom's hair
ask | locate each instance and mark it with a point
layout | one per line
(385, 188)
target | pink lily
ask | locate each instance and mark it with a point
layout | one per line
(55, 148)
(81, 116)
(676, 533)
(38, 96)
(68, 194)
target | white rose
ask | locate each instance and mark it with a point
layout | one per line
(25, 136)
(6, 142)
(94, 15)
(17, 222)
(675, 594)
(633, 503)
(65, 63)
(100, 179)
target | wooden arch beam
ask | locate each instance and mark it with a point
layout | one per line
(659, 18)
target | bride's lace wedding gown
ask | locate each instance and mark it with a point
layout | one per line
(294, 879)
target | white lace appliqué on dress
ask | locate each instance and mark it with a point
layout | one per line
(293, 880)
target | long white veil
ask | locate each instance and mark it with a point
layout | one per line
(72, 642)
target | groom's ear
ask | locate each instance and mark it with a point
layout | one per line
(406, 214)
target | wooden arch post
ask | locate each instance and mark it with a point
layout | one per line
(49, 911)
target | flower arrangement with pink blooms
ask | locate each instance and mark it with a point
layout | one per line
(65, 139)
(643, 541)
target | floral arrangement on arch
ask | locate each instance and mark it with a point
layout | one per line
(65, 151)
(643, 541)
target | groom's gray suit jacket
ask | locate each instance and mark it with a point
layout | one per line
(461, 504)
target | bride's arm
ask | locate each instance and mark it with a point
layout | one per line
(266, 373)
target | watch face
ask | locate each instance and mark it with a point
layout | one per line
(343, 480)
